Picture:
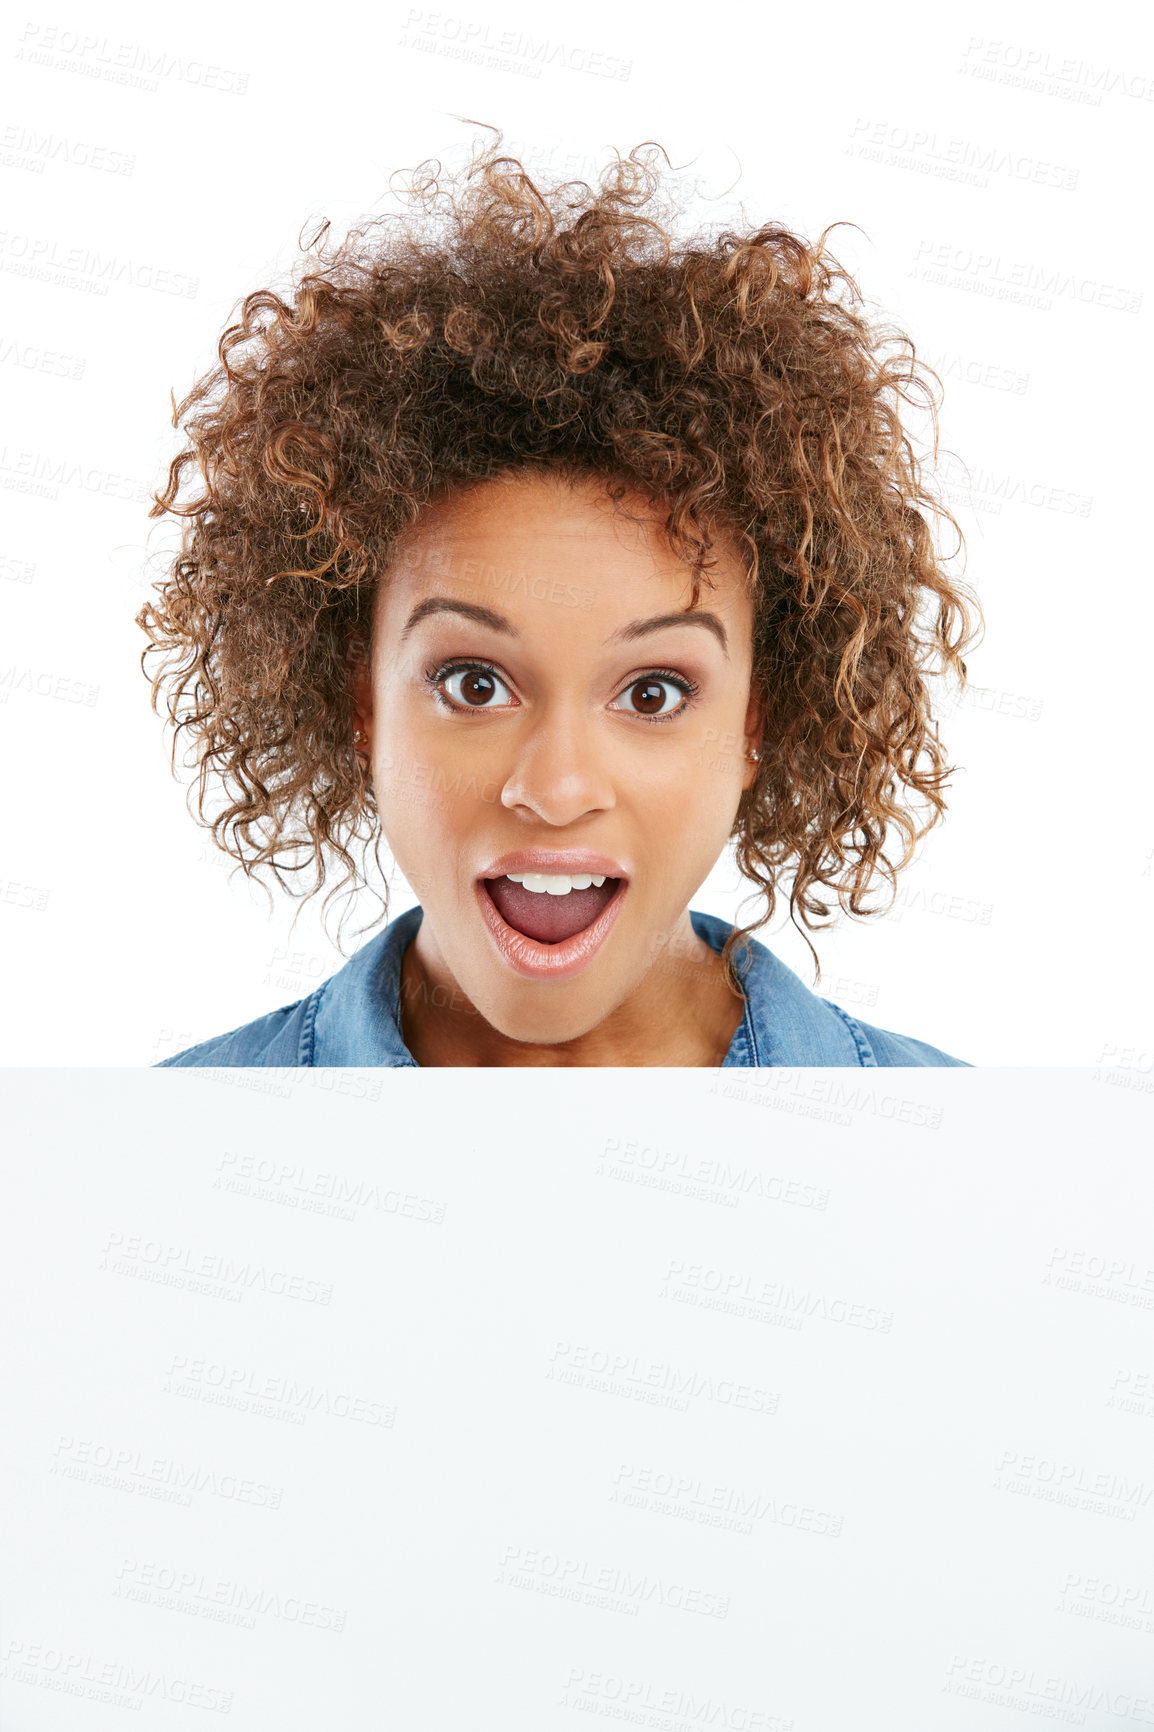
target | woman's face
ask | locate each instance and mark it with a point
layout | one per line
(532, 708)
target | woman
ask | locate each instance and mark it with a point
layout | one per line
(557, 554)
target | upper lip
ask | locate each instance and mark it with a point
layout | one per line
(553, 862)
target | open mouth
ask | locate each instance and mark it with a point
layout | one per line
(543, 936)
(549, 919)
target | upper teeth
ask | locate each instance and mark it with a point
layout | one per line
(560, 885)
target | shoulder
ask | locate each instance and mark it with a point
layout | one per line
(349, 1019)
(789, 1024)
(279, 1038)
(887, 1048)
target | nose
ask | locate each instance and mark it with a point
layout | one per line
(561, 771)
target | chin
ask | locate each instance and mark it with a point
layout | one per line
(533, 1029)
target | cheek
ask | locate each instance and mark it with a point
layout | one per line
(714, 770)
(689, 806)
(429, 810)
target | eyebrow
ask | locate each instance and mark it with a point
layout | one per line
(497, 621)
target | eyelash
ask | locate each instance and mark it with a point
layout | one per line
(441, 671)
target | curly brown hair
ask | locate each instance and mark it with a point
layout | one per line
(499, 325)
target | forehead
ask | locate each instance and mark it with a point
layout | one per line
(523, 539)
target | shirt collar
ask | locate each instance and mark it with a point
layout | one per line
(356, 1014)
(357, 1018)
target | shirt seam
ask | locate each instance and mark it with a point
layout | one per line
(751, 1033)
(866, 1057)
(306, 1046)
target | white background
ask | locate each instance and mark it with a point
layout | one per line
(1022, 931)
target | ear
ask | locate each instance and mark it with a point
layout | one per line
(362, 683)
(754, 730)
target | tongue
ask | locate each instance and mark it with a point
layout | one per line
(548, 919)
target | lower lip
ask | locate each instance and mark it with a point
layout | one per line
(535, 961)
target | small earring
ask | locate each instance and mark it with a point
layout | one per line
(358, 736)
(752, 752)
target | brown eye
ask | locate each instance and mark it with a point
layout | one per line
(477, 688)
(474, 688)
(649, 696)
(655, 698)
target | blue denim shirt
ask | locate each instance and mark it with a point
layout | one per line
(353, 1018)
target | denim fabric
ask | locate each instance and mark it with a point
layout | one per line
(353, 1018)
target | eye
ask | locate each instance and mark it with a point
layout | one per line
(469, 685)
(651, 703)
